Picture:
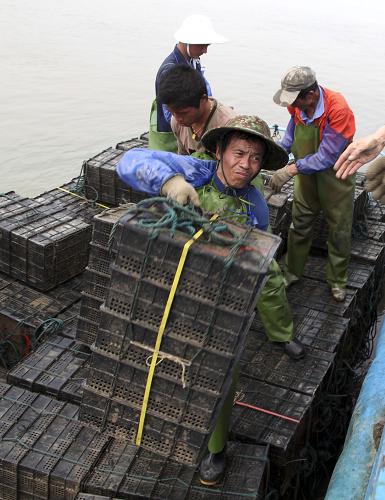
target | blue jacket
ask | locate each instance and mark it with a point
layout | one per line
(146, 171)
(163, 115)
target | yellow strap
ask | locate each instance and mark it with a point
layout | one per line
(82, 197)
(162, 327)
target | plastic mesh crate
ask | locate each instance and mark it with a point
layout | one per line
(25, 315)
(315, 329)
(359, 272)
(102, 182)
(42, 246)
(376, 230)
(97, 276)
(283, 435)
(317, 295)
(269, 364)
(44, 450)
(279, 210)
(361, 278)
(90, 308)
(58, 367)
(375, 210)
(183, 329)
(125, 473)
(203, 276)
(74, 203)
(132, 143)
(70, 319)
(160, 436)
(190, 406)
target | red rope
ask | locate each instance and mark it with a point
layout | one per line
(28, 345)
(284, 417)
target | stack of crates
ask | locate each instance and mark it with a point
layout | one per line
(41, 245)
(210, 316)
(58, 367)
(67, 198)
(45, 452)
(102, 183)
(97, 275)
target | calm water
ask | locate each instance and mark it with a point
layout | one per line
(77, 76)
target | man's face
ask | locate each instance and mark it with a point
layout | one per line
(189, 115)
(241, 161)
(305, 103)
(197, 50)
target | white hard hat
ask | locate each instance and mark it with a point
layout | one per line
(198, 30)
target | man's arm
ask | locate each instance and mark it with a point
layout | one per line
(360, 152)
(146, 170)
(288, 138)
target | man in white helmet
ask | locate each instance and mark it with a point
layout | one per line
(194, 36)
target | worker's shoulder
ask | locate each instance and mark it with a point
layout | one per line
(335, 101)
(223, 113)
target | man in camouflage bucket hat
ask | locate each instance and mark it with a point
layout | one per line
(242, 147)
(320, 128)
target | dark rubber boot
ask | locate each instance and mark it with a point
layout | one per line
(212, 468)
(294, 349)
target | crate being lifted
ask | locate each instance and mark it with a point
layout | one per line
(204, 335)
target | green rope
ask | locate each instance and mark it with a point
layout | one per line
(49, 326)
(186, 219)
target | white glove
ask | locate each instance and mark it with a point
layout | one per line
(179, 190)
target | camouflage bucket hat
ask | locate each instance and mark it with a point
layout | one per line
(275, 156)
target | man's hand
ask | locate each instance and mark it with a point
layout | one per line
(358, 153)
(181, 191)
(375, 179)
(279, 178)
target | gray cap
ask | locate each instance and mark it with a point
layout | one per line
(295, 79)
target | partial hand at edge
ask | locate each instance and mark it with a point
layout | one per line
(356, 155)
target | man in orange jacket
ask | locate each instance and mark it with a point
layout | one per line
(321, 126)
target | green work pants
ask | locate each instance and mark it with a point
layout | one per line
(276, 317)
(220, 433)
(314, 193)
(273, 307)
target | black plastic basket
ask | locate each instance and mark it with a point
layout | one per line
(266, 422)
(126, 473)
(70, 198)
(53, 369)
(376, 230)
(272, 366)
(102, 182)
(44, 450)
(207, 372)
(44, 246)
(221, 336)
(132, 143)
(317, 296)
(159, 436)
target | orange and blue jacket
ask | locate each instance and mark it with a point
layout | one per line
(337, 128)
